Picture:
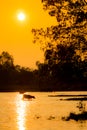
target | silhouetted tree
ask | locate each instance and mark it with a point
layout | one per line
(65, 44)
(6, 59)
(6, 68)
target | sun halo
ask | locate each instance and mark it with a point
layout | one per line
(21, 16)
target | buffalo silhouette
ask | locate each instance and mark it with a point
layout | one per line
(27, 96)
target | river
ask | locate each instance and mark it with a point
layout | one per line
(45, 112)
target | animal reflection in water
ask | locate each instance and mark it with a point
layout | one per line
(28, 97)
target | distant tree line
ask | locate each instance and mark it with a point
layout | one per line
(14, 77)
(61, 76)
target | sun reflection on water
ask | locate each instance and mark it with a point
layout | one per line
(21, 114)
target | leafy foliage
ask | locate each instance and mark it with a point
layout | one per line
(65, 44)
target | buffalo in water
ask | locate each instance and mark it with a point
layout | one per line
(27, 96)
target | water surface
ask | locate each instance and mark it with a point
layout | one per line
(42, 113)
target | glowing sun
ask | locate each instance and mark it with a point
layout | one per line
(21, 16)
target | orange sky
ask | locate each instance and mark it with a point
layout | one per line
(15, 36)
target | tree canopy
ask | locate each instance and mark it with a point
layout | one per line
(65, 44)
(71, 28)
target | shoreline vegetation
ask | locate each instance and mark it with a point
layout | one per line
(16, 78)
(43, 88)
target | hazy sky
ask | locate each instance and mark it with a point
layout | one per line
(15, 36)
